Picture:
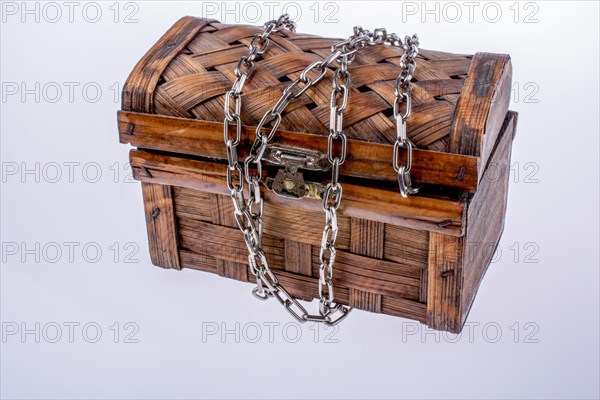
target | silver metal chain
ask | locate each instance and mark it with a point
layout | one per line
(403, 88)
(249, 215)
(246, 216)
(258, 46)
(267, 283)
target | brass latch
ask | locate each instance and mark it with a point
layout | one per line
(289, 182)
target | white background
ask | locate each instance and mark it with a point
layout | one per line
(533, 327)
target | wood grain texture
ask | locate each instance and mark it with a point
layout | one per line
(298, 257)
(406, 246)
(222, 211)
(444, 282)
(457, 265)
(365, 300)
(302, 225)
(497, 116)
(367, 237)
(193, 204)
(232, 270)
(352, 271)
(365, 159)
(485, 215)
(160, 222)
(410, 247)
(377, 286)
(482, 104)
(400, 307)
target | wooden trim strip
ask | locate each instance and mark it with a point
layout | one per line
(365, 159)
(404, 308)
(486, 213)
(484, 97)
(418, 212)
(444, 282)
(160, 222)
(497, 116)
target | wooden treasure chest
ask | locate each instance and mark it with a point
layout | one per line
(418, 251)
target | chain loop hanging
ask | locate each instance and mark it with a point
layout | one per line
(248, 215)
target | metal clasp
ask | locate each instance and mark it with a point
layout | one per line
(297, 157)
(289, 181)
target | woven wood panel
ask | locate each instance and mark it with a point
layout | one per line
(371, 273)
(195, 81)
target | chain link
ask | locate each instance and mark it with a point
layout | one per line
(249, 215)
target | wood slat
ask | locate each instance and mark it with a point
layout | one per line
(367, 237)
(367, 160)
(489, 75)
(406, 246)
(193, 204)
(307, 225)
(431, 214)
(162, 235)
(404, 308)
(222, 211)
(305, 288)
(200, 262)
(485, 215)
(454, 66)
(183, 64)
(352, 271)
(224, 243)
(445, 276)
(364, 300)
(232, 270)
(298, 257)
(372, 275)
